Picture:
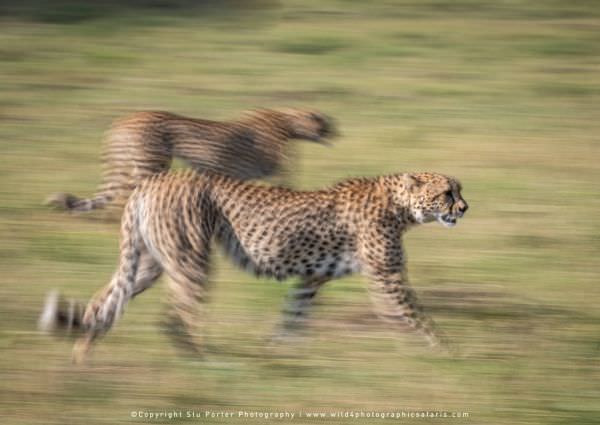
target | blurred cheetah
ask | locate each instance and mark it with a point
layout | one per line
(144, 143)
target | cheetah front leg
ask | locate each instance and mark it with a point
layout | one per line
(396, 302)
(383, 261)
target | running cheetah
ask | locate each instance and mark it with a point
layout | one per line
(144, 143)
(354, 226)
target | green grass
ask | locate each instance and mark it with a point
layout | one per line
(503, 96)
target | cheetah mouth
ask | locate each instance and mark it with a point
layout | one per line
(447, 220)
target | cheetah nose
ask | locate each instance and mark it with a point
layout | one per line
(463, 208)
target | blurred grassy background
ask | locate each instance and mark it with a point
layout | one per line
(503, 95)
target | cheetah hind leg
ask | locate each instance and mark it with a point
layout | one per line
(298, 303)
(184, 321)
(61, 316)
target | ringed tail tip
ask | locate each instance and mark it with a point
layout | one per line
(61, 201)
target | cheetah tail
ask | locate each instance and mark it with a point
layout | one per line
(60, 315)
(68, 202)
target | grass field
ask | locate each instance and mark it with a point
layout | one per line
(503, 95)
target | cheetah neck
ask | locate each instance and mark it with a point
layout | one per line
(396, 192)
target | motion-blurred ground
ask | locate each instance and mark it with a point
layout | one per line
(504, 95)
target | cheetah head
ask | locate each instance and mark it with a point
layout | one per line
(310, 125)
(435, 197)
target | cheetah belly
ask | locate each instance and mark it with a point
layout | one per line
(283, 262)
(305, 252)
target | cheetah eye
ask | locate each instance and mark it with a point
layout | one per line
(448, 194)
